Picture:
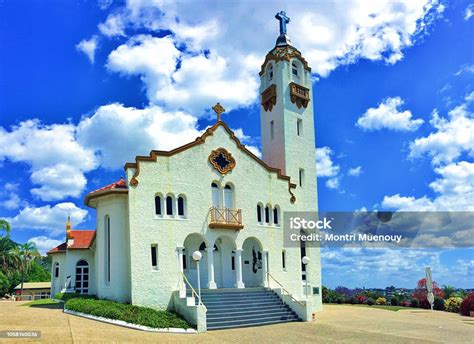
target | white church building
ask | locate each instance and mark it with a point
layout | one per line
(216, 197)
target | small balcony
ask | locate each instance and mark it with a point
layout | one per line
(299, 95)
(226, 218)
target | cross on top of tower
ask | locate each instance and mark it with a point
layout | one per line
(218, 109)
(281, 16)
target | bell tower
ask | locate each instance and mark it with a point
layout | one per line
(286, 116)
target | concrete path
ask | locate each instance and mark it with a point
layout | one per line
(336, 324)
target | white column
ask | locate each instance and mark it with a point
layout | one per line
(238, 269)
(182, 285)
(210, 268)
(264, 269)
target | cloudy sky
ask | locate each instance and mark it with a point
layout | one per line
(87, 85)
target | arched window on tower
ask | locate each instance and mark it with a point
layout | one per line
(294, 69)
(169, 205)
(56, 270)
(158, 209)
(270, 72)
(267, 214)
(276, 214)
(181, 206)
(259, 213)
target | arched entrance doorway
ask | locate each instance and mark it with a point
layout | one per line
(195, 242)
(224, 262)
(252, 259)
(82, 277)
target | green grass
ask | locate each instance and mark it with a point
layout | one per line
(386, 307)
(42, 302)
(129, 313)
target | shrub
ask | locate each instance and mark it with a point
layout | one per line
(467, 305)
(394, 301)
(415, 303)
(453, 304)
(370, 301)
(405, 303)
(438, 304)
(361, 299)
(68, 296)
(129, 313)
(381, 301)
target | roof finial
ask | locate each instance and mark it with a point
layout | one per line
(283, 39)
(68, 226)
(218, 109)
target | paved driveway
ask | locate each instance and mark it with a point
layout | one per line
(336, 324)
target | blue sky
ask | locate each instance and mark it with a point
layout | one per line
(86, 86)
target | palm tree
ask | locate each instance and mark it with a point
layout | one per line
(5, 226)
(7, 257)
(26, 255)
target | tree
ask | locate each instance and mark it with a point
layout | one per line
(27, 254)
(8, 259)
(421, 293)
(5, 226)
(448, 290)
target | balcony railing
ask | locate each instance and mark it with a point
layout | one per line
(226, 218)
(299, 95)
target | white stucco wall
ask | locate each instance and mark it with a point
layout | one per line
(190, 173)
(116, 207)
(58, 283)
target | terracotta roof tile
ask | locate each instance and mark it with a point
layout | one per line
(83, 239)
(121, 184)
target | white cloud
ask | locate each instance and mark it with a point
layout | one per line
(469, 12)
(50, 218)
(219, 57)
(12, 202)
(355, 171)
(113, 26)
(118, 133)
(44, 244)
(248, 141)
(387, 115)
(199, 82)
(453, 135)
(88, 47)
(48, 150)
(325, 167)
(454, 191)
(464, 69)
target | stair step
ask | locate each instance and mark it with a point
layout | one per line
(239, 306)
(210, 328)
(254, 322)
(241, 301)
(241, 316)
(271, 308)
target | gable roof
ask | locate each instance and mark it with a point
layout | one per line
(119, 186)
(154, 154)
(83, 239)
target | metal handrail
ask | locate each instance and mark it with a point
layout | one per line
(283, 288)
(193, 292)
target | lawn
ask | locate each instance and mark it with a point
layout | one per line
(386, 307)
(129, 313)
(42, 302)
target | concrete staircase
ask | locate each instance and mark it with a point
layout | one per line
(231, 308)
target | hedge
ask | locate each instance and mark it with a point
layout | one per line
(128, 313)
(67, 296)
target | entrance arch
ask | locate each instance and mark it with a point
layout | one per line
(195, 242)
(224, 262)
(252, 258)
(82, 277)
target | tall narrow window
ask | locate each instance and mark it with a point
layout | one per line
(154, 258)
(272, 129)
(232, 262)
(228, 197)
(169, 205)
(158, 205)
(259, 213)
(56, 270)
(180, 206)
(301, 177)
(294, 69)
(107, 250)
(185, 266)
(270, 72)
(283, 259)
(299, 127)
(215, 195)
(267, 214)
(275, 216)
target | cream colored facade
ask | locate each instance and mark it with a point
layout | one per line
(241, 253)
